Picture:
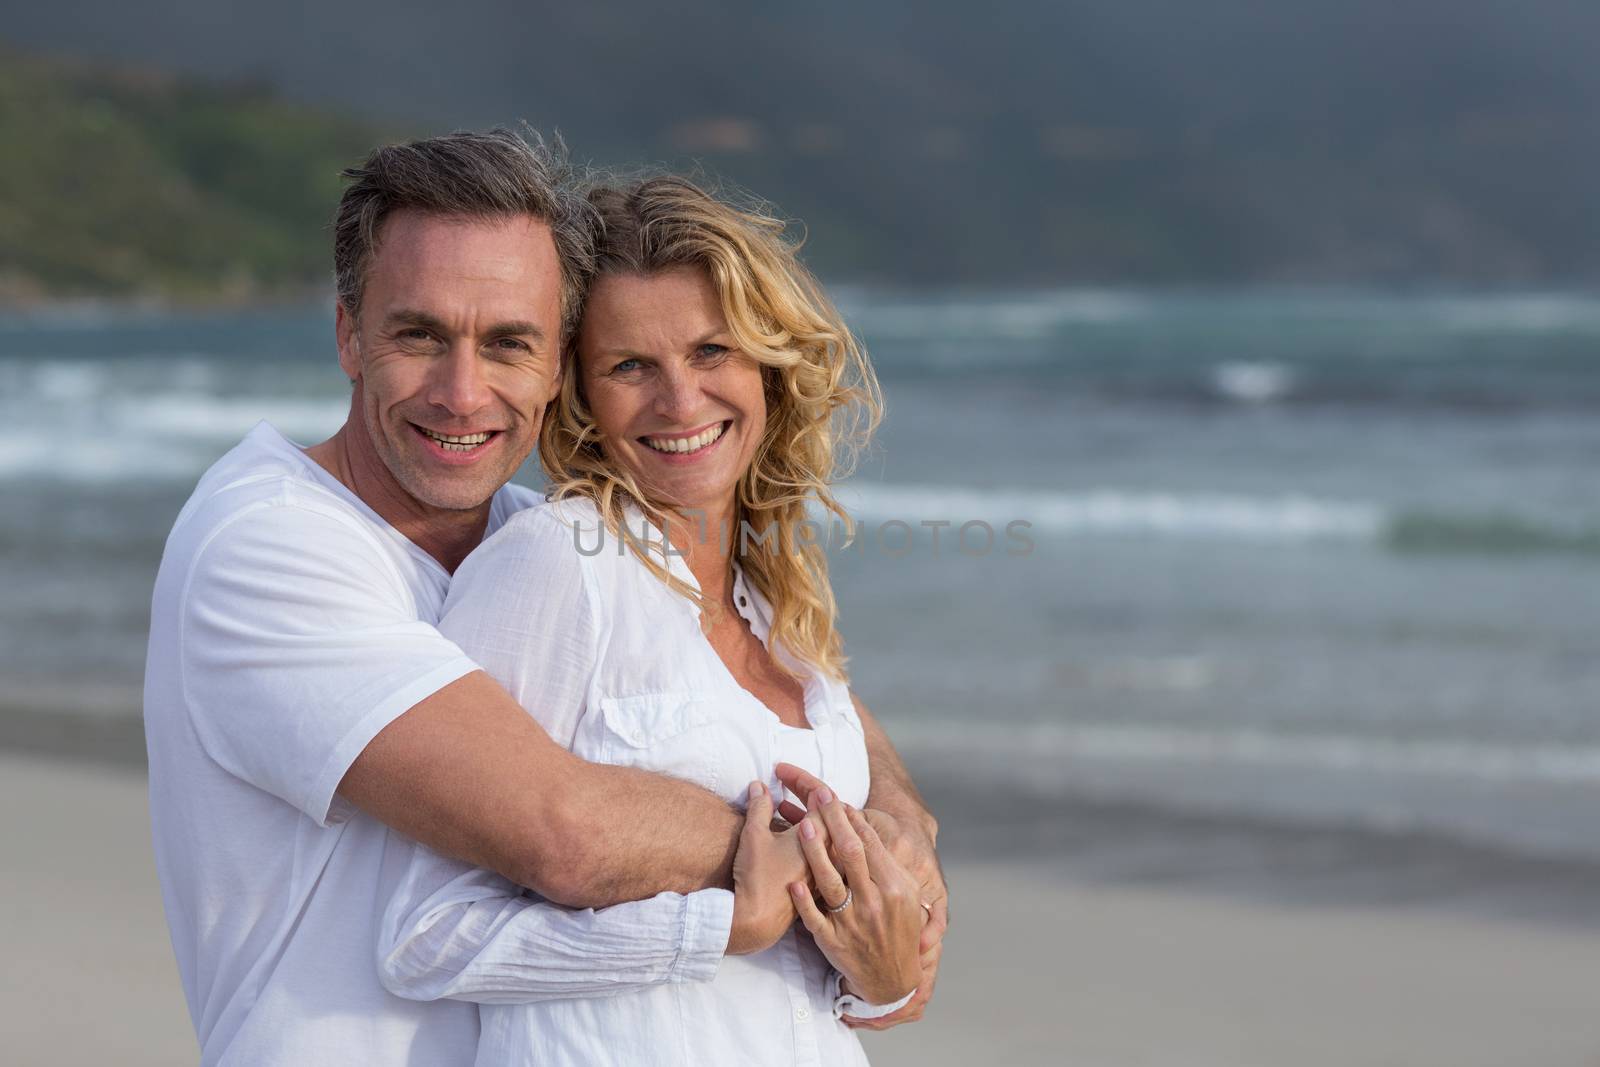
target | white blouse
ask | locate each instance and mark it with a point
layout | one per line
(613, 663)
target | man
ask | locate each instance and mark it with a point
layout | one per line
(299, 701)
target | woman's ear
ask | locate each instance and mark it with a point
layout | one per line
(557, 380)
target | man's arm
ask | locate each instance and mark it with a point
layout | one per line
(306, 673)
(894, 792)
(455, 931)
(892, 788)
(471, 775)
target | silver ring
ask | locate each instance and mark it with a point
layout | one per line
(849, 895)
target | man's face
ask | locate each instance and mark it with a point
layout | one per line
(455, 352)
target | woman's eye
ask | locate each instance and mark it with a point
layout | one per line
(626, 366)
(712, 352)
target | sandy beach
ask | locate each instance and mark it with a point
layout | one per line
(1035, 972)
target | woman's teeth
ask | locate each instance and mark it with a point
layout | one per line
(462, 443)
(686, 444)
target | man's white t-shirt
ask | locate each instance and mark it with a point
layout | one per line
(289, 625)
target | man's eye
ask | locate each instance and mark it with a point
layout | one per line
(510, 344)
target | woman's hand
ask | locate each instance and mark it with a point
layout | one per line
(765, 863)
(914, 852)
(873, 922)
(911, 843)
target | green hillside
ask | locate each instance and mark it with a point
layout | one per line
(134, 185)
(1302, 142)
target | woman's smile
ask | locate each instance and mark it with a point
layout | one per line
(687, 447)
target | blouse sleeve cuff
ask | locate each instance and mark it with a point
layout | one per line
(856, 1008)
(707, 923)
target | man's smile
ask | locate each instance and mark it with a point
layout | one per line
(456, 444)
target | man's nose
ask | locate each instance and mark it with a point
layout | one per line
(679, 396)
(458, 382)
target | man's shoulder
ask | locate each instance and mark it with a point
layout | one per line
(266, 483)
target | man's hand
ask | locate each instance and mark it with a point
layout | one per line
(914, 1008)
(762, 869)
(915, 852)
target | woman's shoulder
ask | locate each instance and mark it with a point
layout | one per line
(548, 521)
(546, 536)
(569, 535)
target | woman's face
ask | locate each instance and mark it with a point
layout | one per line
(677, 405)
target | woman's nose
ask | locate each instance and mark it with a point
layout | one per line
(678, 395)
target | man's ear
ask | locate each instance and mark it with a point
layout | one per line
(344, 329)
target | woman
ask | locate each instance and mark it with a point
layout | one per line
(661, 611)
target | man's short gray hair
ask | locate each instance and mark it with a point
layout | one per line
(495, 174)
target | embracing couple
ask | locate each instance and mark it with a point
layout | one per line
(433, 780)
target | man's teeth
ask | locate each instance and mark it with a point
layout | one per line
(685, 444)
(461, 443)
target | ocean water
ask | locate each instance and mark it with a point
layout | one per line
(1309, 561)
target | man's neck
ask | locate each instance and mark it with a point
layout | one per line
(446, 535)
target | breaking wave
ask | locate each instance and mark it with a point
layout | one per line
(1221, 517)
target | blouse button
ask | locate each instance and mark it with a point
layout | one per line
(802, 1013)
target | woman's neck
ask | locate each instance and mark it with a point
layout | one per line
(707, 539)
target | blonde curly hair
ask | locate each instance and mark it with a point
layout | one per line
(823, 400)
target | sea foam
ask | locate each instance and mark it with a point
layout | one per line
(1124, 512)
